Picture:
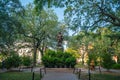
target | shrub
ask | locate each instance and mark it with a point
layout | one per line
(116, 66)
(60, 59)
(67, 55)
(45, 60)
(26, 61)
(71, 61)
(12, 61)
(107, 61)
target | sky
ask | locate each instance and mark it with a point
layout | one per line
(58, 11)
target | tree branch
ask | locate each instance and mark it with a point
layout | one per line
(114, 19)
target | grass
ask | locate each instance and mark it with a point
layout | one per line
(106, 77)
(18, 76)
(80, 66)
(103, 76)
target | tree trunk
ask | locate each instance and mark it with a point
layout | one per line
(83, 55)
(34, 56)
(34, 53)
(83, 59)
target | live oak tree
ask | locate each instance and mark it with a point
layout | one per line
(94, 13)
(9, 24)
(87, 13)
(91, 15)
(38, 28)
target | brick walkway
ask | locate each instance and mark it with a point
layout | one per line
(59, 74)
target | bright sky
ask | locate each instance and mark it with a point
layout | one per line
(58, 11)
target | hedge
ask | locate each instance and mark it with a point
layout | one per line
(58, 59)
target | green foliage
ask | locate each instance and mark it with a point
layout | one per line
(52, 59)
(107, 61)
(45, 60)
(12, 61)
(9, 23)
(92, 57)
(35, 28)
(116, 66)
(71, 61)
(86, 14)
(73, 51)
(26, 61)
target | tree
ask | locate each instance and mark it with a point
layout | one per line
(94, 13)
(38, 28)
(9, 24)
(87, 13)
(90, 15)
(81, 43)
(115, 40)
(101, 47)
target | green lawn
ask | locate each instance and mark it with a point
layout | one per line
(101, 76)
(18, 76)
(106, 77)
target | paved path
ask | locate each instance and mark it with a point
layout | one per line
(59, 74)
(63, 73)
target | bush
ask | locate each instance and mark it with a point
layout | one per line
(12, 61)
(70, 61)
(116, 66)
(26, 61)
(60, 59)
(107, 61)
(45, 60)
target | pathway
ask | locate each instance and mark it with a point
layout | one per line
(59, 74)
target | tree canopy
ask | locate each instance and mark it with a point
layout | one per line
(39, 29)
(87, 14)
(9, 11)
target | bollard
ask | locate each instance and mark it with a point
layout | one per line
(41, 73)
(33, 74)
(79, 73)
(32, 69)
(45, 70)
(89, 73)
(74, 70)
